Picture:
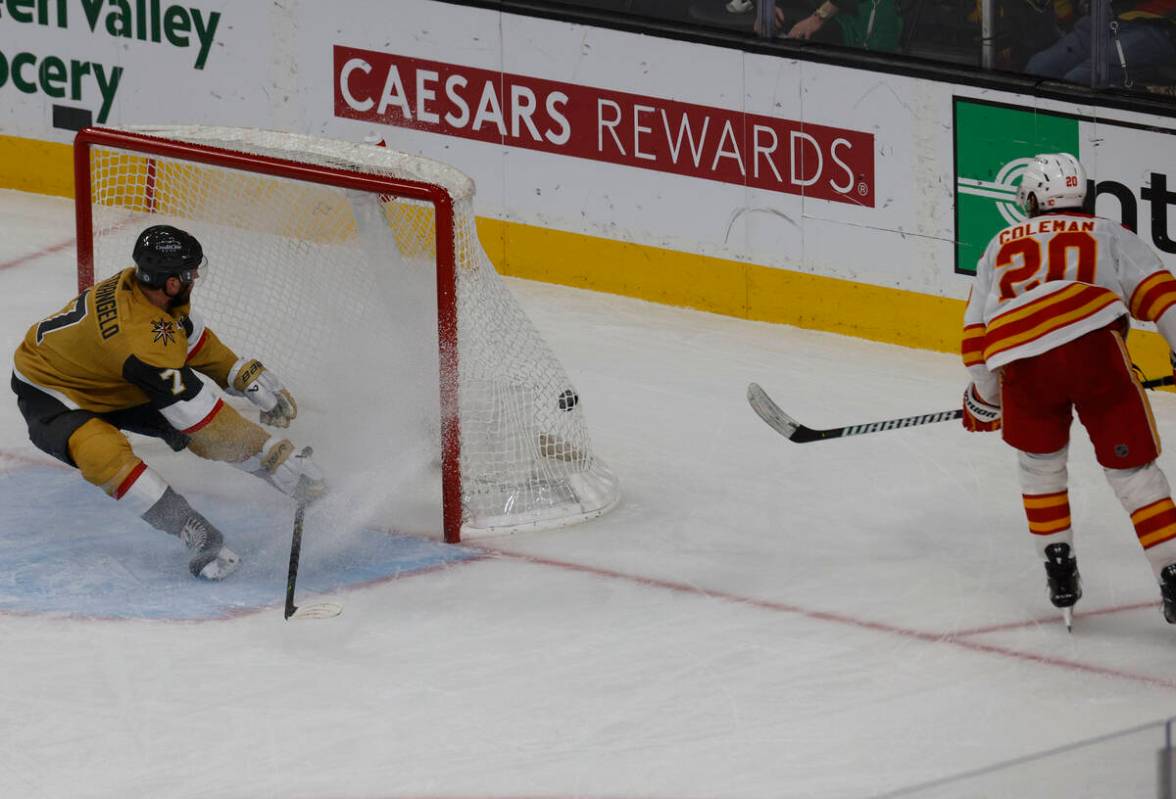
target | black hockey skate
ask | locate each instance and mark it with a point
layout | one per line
(1168, 590)
(211, 559)
(1065, 584)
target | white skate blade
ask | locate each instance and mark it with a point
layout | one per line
(1068, 619)
(227, 561)
(320, 610)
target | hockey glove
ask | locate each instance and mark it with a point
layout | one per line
(250, 379)
(979, 416)
(292, 473)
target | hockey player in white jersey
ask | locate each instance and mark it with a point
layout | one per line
(1044, 334)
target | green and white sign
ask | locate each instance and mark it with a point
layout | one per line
(993, 143)
(78, 62)
(1128, 164)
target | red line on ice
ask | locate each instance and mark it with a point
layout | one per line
(953, 638)
(41, 253)
(950, 638)
(30, 460)
(1053, 619)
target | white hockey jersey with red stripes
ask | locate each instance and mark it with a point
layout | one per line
(1055, 277)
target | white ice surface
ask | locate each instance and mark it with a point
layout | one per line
(758, 619)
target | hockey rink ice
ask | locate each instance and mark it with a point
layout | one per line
(757, 619)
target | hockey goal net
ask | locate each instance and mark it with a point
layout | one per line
(356, 274)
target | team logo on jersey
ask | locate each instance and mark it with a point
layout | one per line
(164, 331)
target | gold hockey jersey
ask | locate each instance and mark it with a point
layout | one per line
(110, 348)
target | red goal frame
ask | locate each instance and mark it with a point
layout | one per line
(437, 196)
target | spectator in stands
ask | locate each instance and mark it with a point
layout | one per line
(1024, 27)
(1139, 37)
(868, 24)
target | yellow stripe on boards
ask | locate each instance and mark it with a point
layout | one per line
(40, 167)
(719, 285)
(724, 286)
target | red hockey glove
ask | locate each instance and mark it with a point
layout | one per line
(979, 416)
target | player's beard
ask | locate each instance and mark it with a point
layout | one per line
(181, 298)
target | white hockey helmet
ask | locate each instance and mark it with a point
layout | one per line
(1057, 180)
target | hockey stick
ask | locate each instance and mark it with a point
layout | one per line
(323, 610)
(295, 554)
(793, 430)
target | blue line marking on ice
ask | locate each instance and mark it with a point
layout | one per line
(66, 549)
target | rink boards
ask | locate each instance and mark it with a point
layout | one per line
(748, 184)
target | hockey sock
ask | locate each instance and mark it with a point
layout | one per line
(1046, 499)
(210, 558)
(169, 514)
(140, 489)
(1144, 493)
(1049, 519)
(1155, 525)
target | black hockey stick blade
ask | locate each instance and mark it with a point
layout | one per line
(793, 430)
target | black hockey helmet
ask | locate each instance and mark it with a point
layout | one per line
(163, 251)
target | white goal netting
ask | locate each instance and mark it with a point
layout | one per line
(336, 291)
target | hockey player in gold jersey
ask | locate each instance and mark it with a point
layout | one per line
(128, 354)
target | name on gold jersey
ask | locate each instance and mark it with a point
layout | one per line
(106, 306)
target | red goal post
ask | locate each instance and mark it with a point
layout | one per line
(522, 479)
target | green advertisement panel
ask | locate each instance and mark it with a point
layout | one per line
(993, 143)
